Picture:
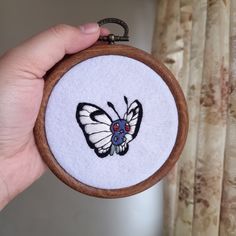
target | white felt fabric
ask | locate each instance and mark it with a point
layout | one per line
(109, 78)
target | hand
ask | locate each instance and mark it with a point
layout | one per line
(21, 89)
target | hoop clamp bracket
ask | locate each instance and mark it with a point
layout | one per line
(111, 38)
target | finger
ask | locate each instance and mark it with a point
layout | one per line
(104, 31)
(41, 52)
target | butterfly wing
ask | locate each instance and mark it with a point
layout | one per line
(95, 124)
(122, 149)
(133, 117)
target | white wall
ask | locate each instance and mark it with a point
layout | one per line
(49, 207)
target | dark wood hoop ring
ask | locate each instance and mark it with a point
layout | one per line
(98, 50)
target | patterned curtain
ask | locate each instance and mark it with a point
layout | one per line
(196, 40)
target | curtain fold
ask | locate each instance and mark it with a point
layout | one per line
(228, 202)
(195, 39)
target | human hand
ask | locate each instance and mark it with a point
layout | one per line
(21, 90)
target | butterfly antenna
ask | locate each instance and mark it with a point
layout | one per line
(126, 102)
(113, 108)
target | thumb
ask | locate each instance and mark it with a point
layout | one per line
(37, 55)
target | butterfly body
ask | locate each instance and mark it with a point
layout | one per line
(105, 136)
(119, 129)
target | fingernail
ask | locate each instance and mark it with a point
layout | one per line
(89, 28)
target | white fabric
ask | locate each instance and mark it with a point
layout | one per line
(109, 78)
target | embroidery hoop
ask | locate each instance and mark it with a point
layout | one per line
(101, 49)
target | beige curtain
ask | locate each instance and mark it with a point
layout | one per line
(196, 40)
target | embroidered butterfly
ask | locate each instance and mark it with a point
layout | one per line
(105, 136)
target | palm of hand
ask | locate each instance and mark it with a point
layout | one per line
(20, 98)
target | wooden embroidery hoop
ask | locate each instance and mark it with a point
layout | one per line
(111, 49)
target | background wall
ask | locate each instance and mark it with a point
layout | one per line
(49, 207)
